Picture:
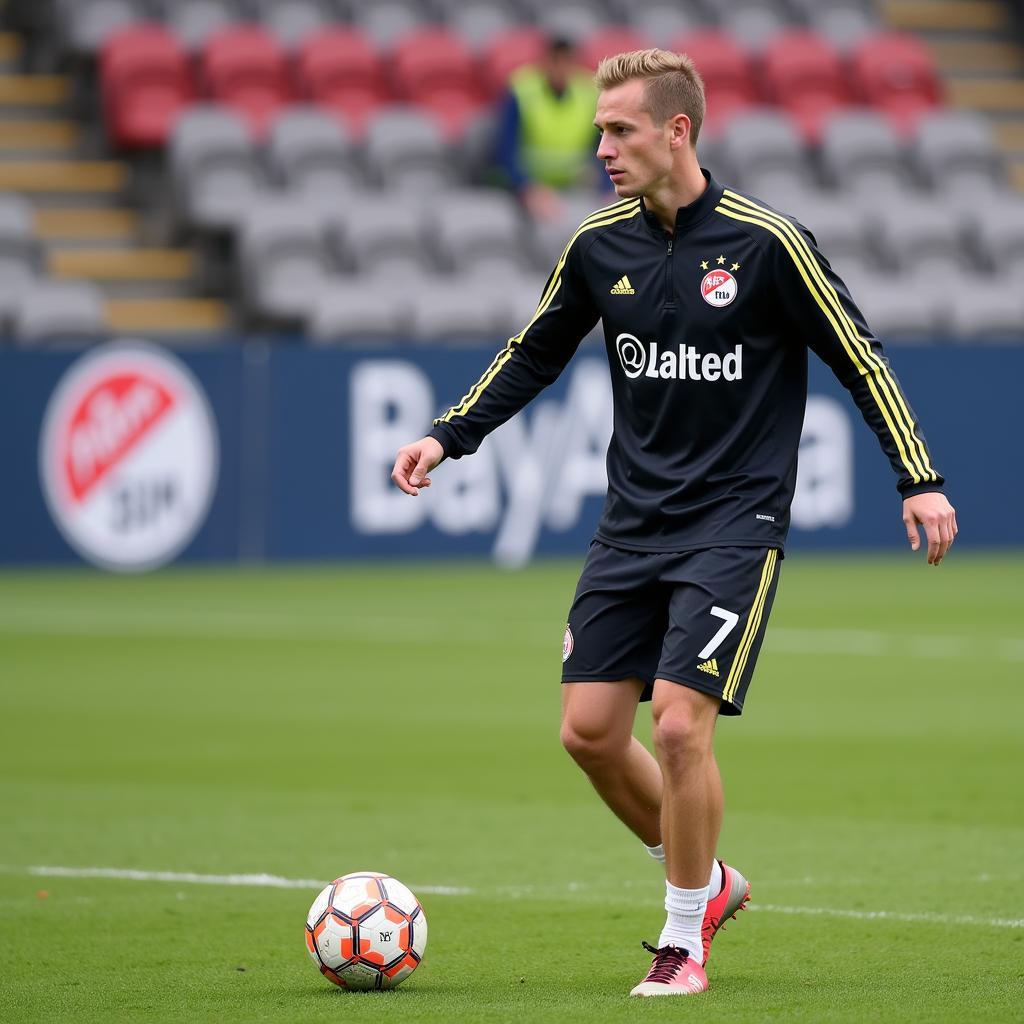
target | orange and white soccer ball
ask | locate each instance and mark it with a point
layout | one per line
(366, 930)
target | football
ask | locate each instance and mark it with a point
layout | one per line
(366, 931)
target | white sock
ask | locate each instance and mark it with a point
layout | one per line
(657, 852)
(685, 908)
(717, 881)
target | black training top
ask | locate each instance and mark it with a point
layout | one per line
(707, 331)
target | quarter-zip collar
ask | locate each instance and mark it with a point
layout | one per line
(686, 216)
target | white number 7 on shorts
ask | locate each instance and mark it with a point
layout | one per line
(731, 618)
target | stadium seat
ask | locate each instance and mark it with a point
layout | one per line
(956, 150)
(479, 21)
(386, 21)
(340, 69)
(550, 236)
(58, 311)
(215, 173)
(244, 68)
(89, 23)
(916, 236)
(989, 308)
(19, 248)
(663, 20)
(406, 150)
(895, 73)
(838, 227)
(805, 75)
(310, 151)
(507, 52)
(284, 260)
(727, 71)
(477, 230)
(893, 309)
(455, 310)
(996, 228)
(356, 310)
(843, 25)
(611, 40)
(194, 21)
(384, 230)
(146, 83)
(763, 143)
(754, 23)
(861, 151)
(290, 22)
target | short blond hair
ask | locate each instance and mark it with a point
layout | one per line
(673, 84)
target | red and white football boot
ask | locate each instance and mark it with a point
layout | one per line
(672, 973)
(725, 906)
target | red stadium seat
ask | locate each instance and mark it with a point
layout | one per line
(454, 110)
(728, 73)
(611, 40)
(340, 69)
(432, 60)
(804, 73)
(507, 51)
(146, 82)
(895, 73)
(244, 68)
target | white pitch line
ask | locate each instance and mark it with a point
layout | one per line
(278, 882)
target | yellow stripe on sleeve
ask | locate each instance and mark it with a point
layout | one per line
(880, 381)
(739, 663)
(601, 218)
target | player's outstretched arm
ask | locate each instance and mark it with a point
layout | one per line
(414, 462)
(932, 511)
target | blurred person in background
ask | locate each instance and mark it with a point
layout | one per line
(710, 302)
(545, 136)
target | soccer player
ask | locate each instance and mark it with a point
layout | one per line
(709, 301)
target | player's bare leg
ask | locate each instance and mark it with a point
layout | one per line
(597, 731)
(691, 818)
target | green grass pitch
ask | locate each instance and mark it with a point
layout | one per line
(307, 723)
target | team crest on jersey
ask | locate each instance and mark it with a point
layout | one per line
(566, 645)
(718, 288)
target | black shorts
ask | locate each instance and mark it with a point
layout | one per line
(692, 617)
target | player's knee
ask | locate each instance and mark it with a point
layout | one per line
(588, 748)
(679, 737)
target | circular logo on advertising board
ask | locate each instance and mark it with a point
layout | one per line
(128, 456)
(718, 288)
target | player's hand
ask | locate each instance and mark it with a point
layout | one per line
(414, 462)
(937, 516)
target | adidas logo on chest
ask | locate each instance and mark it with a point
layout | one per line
(623, 287)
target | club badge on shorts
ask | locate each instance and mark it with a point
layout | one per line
(128, 456)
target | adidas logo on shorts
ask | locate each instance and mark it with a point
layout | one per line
(710, 666)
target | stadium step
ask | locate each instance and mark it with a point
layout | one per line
(977, 56)
(86, 224)
(989, 95)
(167, 316)
(32, 91)
(10, 49)
(946, 15)
(123, 264)
(64, 177)
(31, 137)
(1015, 170)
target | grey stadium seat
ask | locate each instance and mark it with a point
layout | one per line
(19, 248)
(478, 21)
(284, 259)
(844, 26)
(956, 150)
(194, 21)
(57, 311)
(894, 307)
(88, 23)
(216, 175)
(378, 231)
(570, 18)
(663, 21)
(754, 23)
(861, 151)
(406, 150)
(996, 229)
(310, 150)
(455, 309)
(987, 308)
(838, 228)
(917, 235)
(551, 236)
(762, 145)
(357, 309)
(478, 228)
(386, 21)
(290, 21)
